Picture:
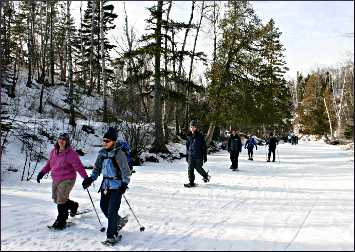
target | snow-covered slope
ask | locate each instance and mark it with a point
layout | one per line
(303, 202)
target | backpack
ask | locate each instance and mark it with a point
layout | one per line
(127, 150)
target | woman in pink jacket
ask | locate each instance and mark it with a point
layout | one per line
(63, 163)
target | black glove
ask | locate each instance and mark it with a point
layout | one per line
(123, 188)
(40, 176)
(187, 158)
(87, 182)
(205, 159)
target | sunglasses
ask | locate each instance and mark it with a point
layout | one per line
(62, 138)
(106, 140)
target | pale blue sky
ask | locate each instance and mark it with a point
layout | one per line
(314, 33)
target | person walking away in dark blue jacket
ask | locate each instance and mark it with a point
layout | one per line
(196, 154)
(249, 144)
(272, 142)
(234, 148)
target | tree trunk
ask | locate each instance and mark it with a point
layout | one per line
(187, 117)
(158, 144)
(210, 131)
(51, 45)
(166, 84)
(329, 119)
(103, 60)
(92, 47)
(83, 75)
(179, 106)
(70, 69)
(30, 45)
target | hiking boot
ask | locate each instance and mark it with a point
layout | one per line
(267, 160)
(74, 208)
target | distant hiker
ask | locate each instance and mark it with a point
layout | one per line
(272, 142)
(234, 148)
(112, 163)
(293, 139)
(249, 144)
(63, 163)
(196, 154)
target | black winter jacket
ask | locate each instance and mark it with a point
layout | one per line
(196, 146)
(272, 142)
(234, 143)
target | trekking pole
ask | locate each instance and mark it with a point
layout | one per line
(141, 227)
(278, 156)
(102, 229)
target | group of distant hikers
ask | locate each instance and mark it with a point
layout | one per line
(113, 163)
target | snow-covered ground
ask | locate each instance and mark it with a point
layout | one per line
(303, 202)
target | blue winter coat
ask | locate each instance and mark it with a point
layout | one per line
(113, 174)
(250, 143)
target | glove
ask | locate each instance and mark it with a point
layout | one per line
(87, 182)
(187, 158)
(123, 188)
(205, 159)
(40, 176)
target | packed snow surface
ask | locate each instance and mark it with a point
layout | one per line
(303, 201)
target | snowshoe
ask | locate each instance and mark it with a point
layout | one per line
(112, 241)
(60, 226)
(82, 211)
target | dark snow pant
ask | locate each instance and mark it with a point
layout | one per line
(195, 164)
(273, 154)
(234, 155)
(250, 153)
(110, 204)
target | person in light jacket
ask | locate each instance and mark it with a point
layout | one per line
(112, 163)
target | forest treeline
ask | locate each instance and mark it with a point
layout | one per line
(155, 77)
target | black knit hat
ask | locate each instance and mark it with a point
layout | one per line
(194, 123)
(111, 134)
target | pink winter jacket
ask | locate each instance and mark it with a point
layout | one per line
(64, 165)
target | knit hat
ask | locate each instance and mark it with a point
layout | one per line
(65, 136)
(111, 134)
(194, 123)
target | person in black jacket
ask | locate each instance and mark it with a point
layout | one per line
(196, 155)
(272, 142)
(234, 148)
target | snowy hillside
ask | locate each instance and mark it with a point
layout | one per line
(303, 202)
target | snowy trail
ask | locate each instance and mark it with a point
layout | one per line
(305, 202)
